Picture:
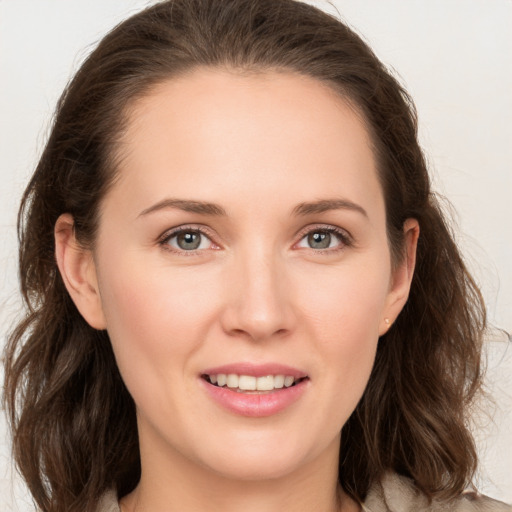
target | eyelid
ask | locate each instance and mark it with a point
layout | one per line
(346, 239)
(164, 238)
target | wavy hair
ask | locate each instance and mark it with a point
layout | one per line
(73, 420)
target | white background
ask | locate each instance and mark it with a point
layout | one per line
(454, 57)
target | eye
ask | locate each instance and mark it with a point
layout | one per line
(187, 239)
(324, 238)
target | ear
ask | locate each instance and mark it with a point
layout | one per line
(401, 277)
(78, 271)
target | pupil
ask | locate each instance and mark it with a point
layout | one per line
(319, 240)
(189, 241)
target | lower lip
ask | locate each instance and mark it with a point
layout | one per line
(256, 405)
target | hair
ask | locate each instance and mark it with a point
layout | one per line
(72, 418)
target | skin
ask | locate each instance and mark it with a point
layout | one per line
(257, 146)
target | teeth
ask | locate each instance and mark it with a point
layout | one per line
(279, 381)
(247, 382)
(232, 381)
(265, 383)
(251, 383)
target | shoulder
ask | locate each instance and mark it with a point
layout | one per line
(398, 494)
(393, 494)
(108, 502)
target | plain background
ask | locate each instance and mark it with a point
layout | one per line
(453, 56)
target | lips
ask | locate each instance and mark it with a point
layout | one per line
(254, 390)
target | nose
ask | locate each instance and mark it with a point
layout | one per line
(259, 304)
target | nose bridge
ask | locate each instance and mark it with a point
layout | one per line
(259, 304)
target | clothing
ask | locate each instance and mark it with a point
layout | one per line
(393, 494)
(398, 494)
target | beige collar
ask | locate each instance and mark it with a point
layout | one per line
(393, 494)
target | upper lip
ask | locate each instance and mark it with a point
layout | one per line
(256, 370)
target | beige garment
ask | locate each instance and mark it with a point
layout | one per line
(108, 503)
(393, 494)
(398, 494)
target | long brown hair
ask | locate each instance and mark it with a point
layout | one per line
(73, 421)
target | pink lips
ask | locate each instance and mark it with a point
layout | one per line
(255, 404)
(256, 370)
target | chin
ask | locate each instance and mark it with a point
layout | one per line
(260, 460)
(253, 469)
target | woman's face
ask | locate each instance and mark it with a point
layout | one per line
(246, 237)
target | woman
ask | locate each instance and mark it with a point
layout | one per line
(242, 293)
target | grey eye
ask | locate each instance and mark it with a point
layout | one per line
(189, 241)
(319, 240)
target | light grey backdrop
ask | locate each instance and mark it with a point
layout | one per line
(454, 57)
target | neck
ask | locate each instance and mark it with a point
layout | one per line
(170, 482)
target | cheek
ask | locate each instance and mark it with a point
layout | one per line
(345, 304)
(156, 320)
(344, 315)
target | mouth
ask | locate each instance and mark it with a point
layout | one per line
(251, 384)
(255, 390)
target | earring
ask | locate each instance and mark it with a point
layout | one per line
(387, 322)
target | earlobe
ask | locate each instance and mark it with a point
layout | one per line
(401, 277)
(78, 271)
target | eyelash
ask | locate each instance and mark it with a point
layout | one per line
(344, 238)
(169, 235)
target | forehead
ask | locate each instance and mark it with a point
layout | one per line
(212, 131)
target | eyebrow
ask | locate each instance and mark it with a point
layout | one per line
(205, 208)
(325, 205)
(200, 207)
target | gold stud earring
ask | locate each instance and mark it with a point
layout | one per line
(386, 321)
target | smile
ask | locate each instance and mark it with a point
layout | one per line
(254, 390)
(244, 383)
